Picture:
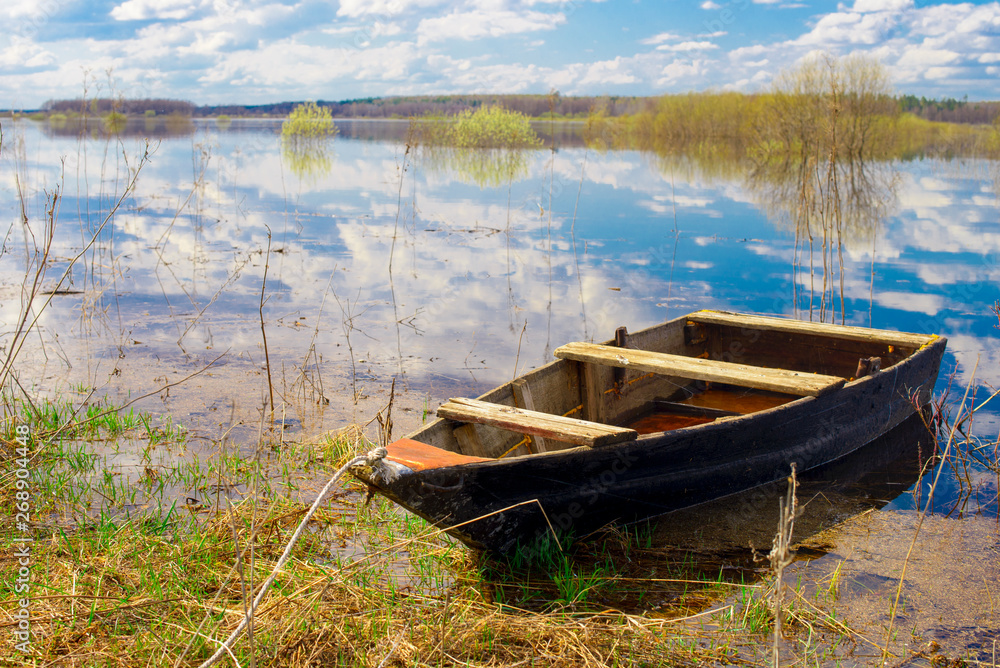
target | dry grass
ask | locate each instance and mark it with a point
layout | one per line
(370, 585)
(365, 587)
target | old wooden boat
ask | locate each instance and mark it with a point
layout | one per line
(688, 411)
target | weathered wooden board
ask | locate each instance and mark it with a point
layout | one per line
(570, 430)
(471, 445)
(765, 378)
(800, 327)
(523, 396)
(784, 350)
(614, 395)
(555, 389)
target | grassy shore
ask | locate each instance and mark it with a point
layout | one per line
(152, 560)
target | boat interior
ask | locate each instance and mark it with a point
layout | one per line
(706, 366)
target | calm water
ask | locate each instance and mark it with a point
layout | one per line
(453, 273)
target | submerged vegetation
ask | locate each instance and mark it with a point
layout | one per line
(308, 122)
(305, 140)
(115, 122)
(488, 127)
(815, 151)
(834, 107)
(489, 147)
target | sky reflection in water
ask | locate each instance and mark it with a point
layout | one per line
(448, 272)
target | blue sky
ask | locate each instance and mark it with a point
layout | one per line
(255, 51)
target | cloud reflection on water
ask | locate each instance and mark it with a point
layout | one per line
(182, 273)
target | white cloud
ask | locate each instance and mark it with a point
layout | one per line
(609, 72)
(208, 44)
(478, 24)
(139, 10)
(687, 46)
(514, 78)
(290, 63)
(942, 72)
(15, 9)
(984, 19)
(710, 6)
(919, 56)
(441, 62)
(882, 5)
(24, 54)
(744, 51)
(935, 20)
(849, 28)
(680, 69)
(361, 35)
(660, 38)
(355, 8)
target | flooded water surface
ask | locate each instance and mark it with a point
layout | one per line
(452, 273)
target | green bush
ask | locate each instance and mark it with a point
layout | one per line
(308, 121)
(492, 127)
(115, 121)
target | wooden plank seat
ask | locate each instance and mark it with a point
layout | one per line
(844, 332)
(546, 425)
(777, 380)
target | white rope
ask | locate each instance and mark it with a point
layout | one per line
(373, 458)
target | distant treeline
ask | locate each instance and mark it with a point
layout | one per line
(825, 108)
(101, 106)
(947, 110)
(950, 110)
(536, 106)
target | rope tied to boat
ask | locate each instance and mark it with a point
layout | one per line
(376, 455)
(374, 458)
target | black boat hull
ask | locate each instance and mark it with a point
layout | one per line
(500, 504)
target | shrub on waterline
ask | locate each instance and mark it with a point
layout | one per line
(484, 146)
(492, 127)
(115, 122)
(308, 122)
